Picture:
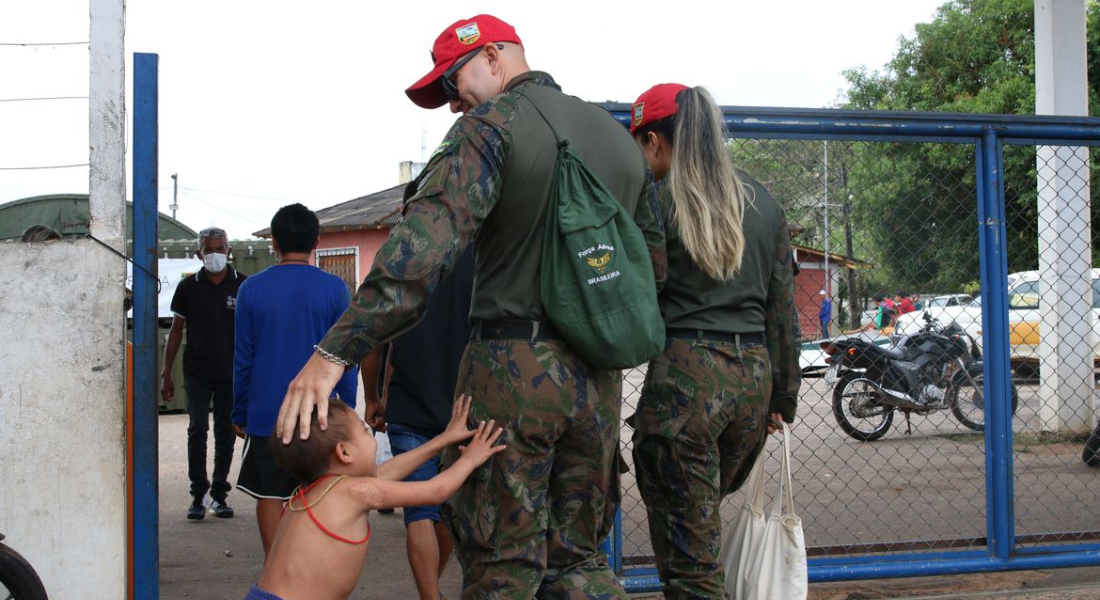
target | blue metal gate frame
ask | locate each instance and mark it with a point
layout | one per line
(988, 134)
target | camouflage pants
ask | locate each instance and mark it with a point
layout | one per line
(527, 524)
(700, 423)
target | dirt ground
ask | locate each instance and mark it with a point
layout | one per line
(218, 559)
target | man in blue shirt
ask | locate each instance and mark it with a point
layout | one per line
(825, 314)
(282, 312)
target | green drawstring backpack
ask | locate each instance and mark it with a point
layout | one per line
(596, 276)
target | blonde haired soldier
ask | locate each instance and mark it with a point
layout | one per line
(730, 359)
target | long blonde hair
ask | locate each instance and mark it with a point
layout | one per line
(708, 195)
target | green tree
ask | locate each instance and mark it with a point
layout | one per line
(917, 202)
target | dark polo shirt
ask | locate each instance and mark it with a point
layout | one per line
(425, 359)
(208, 311)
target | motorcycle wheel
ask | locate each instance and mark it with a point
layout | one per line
(18, 580)
(857, 408)
(1091, 454)
(968, 403)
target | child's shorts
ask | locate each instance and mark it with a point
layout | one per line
(257, 594)
(260, 477)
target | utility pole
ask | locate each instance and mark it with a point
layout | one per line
(175, 190)
(853, 309)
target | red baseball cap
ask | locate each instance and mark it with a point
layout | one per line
(654, 104)
(455, 42)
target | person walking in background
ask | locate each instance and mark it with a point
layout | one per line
(825, 315)
(529, 525)
(282, 312)
(206, 303)
(731, 358)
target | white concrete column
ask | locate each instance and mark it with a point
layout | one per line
(1065, 252)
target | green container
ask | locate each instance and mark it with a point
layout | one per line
(179, 398)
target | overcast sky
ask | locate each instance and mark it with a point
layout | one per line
(263, 103)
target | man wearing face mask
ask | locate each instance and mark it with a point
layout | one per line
(206, 302)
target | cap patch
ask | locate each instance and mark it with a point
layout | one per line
(468, 34)
(638, 113)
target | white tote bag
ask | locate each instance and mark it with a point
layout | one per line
(765, 559)
(745, 535)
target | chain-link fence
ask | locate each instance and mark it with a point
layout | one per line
(892, 462)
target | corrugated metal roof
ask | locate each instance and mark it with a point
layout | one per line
(69, 215)
(380, 209)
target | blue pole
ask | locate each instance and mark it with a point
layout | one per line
(612, 545)
(144, 530)
(1000, 521)
(913, 565)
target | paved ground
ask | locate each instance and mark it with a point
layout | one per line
(923, 486)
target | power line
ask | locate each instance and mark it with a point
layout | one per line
(215, 207)
(49, 167)
(47, 98)
(238, 195)
(44, 43)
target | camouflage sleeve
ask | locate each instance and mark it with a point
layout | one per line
(781, 328)
(647, 215)
(460, 185)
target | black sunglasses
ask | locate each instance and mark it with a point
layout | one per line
(450, 90)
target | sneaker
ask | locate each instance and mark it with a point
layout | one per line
(221, 510)
(196, 512)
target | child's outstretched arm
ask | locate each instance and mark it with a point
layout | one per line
(401, 466)
(376, 493)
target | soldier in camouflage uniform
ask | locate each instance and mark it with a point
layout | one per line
(528, 523)
(730, 360)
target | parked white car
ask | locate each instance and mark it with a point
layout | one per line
(950, 300)
(1024, 297)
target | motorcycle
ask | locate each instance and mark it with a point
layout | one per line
(18, 580)
(937, 368)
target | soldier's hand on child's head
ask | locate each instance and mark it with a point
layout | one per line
(481, 446)
(456, 430)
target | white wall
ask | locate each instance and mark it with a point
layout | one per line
(62, 492)
(62, 361)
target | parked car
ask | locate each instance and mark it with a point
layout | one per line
(950, 300)
(1024, 297)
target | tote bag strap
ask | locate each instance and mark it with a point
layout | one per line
(786, 492)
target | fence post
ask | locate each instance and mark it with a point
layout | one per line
(1000, 521)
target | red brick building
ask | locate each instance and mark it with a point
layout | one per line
(811, 279)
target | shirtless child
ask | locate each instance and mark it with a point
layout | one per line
(321, 543)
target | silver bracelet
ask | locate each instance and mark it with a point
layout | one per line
(332, 357)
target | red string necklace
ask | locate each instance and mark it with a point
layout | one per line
(306, 506)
